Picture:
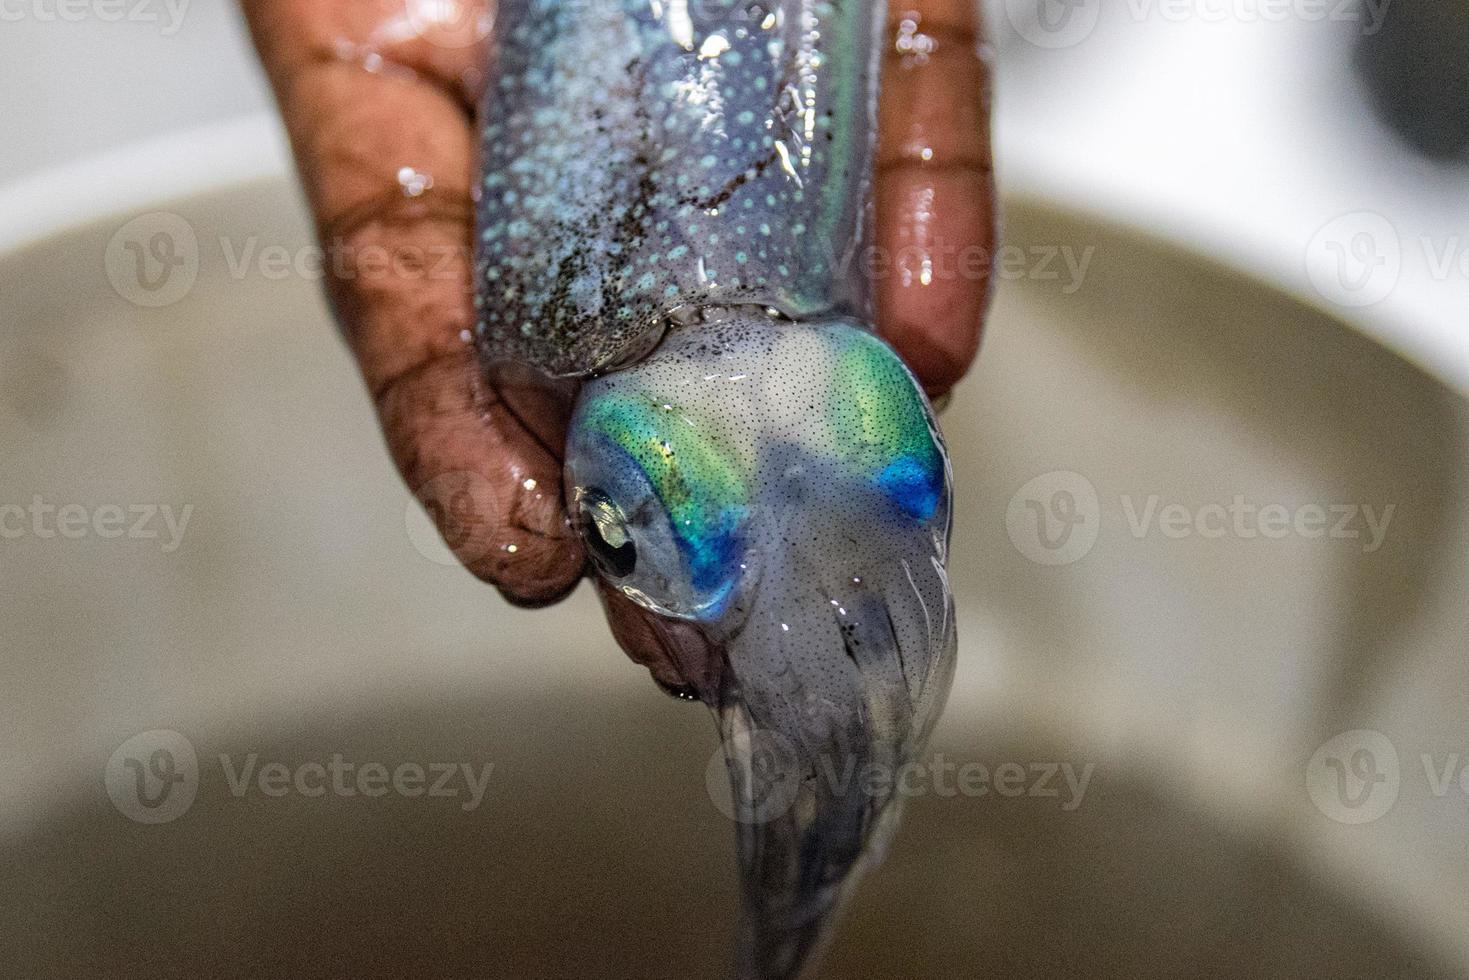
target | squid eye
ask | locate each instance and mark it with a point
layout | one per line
(606, 534)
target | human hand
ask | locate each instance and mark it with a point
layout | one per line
(380, 104)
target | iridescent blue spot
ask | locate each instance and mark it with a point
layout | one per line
(713, 556)
(912, 486)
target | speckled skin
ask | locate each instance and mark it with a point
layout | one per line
(784, 486)
(643, 159)
(673, 200)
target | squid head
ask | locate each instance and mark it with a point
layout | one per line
(780, 491)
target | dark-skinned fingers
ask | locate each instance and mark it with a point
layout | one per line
(382, 133)
(444, 44)
(934, 189)
(676, 652)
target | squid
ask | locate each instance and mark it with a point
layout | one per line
(673, 213)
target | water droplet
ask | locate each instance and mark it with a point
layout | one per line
(684, 692)
(413, 182)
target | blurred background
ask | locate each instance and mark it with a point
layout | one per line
(1211, 551)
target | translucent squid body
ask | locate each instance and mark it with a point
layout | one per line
(674, 200)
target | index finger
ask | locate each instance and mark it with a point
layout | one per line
(934, 188)
(381, 123)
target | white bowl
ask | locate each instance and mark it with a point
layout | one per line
(303, 613)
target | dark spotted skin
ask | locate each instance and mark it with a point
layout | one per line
(646, 160)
